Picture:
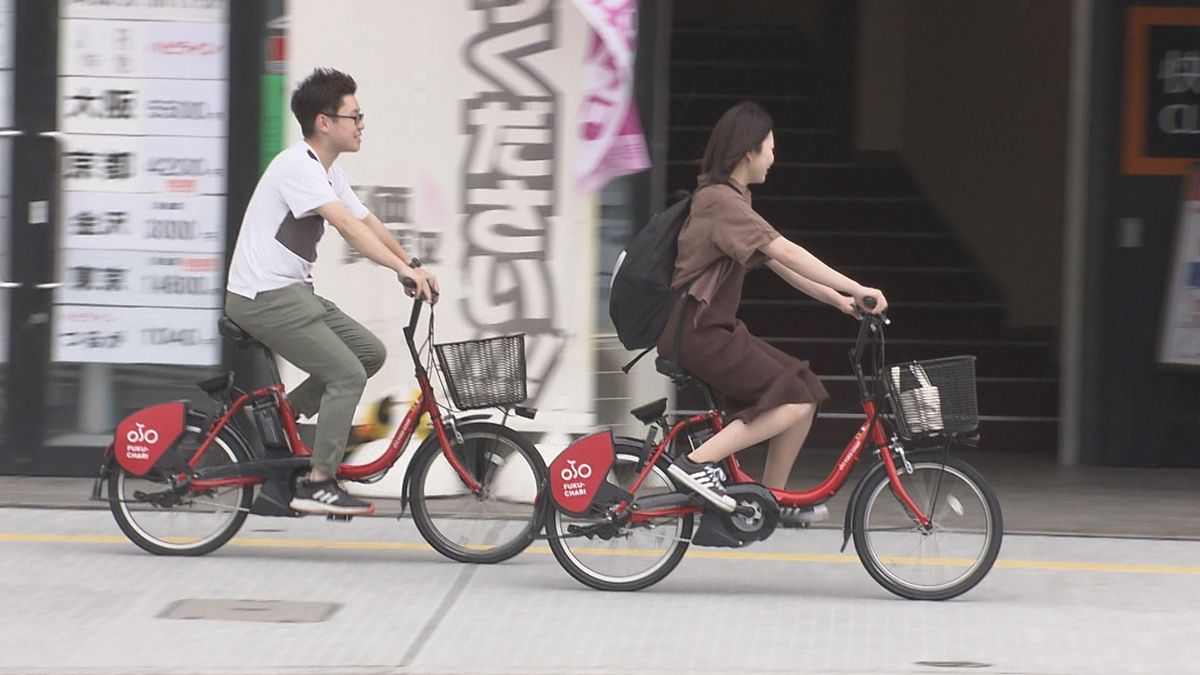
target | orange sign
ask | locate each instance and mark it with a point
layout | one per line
(1162, 91)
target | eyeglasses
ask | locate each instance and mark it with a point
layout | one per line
(358, 119)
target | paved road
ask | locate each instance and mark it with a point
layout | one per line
(79, 598)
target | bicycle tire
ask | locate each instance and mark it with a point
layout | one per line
(582, 556)
(494, 524)
(936, 564)
(178, 529)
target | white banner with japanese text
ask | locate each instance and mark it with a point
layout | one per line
(470, 136)
(143, 106)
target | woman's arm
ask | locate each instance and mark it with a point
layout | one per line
(798, 260)
(813, 289)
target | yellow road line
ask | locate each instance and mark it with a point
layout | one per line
(1069, 566)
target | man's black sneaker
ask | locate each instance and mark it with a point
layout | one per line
(329, 498)
(802, 516)
(707, 475)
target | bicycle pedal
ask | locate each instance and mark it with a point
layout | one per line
(334, 516)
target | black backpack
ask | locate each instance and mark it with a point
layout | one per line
(641, 298)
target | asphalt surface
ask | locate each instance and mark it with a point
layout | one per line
(1099, 573)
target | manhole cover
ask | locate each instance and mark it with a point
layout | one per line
(953, 664)
(271, 611)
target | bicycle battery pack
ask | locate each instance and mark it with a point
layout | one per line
(577, 475)
(270, 426)
(143, 437)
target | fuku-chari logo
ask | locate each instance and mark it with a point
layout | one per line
(573, 477)
(138, 441)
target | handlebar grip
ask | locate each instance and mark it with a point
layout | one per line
(869, 302)
(411, 285)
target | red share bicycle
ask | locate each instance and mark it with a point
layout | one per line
(925, 524)
(181, 482)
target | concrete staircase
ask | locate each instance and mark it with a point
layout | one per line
(864, 216)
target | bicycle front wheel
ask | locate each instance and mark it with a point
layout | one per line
(953, 554)
(493, 523)
(194, 522)
(629, 557)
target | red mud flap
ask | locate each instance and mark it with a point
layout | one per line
(144, 436)
(577, 475)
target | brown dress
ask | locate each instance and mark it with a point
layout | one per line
(723, 238)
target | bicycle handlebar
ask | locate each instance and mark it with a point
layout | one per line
(411, 329)
(412, 285)
(870, 324)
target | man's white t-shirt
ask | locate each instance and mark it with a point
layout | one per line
(277, 244)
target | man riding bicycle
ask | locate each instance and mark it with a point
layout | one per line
(270, 291)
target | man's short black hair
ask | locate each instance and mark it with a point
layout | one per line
(321, 92)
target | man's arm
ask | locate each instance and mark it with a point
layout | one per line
(376, 225)
(367, 242)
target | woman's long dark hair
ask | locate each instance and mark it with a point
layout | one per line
(741, 129)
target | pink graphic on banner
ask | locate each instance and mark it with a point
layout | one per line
(610, 138)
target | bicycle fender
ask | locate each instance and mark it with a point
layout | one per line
(431, 439)
(577, 475)
(106, 463)
(146, 435)
(847, 526)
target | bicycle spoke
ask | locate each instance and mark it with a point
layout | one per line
(625, 557)
(498, 519)
(190, 523)
(933, 561)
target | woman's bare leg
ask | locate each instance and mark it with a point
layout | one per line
(739, 435)
(784, 448)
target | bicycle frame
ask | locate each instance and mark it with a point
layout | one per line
(872, 433)
(426, 402)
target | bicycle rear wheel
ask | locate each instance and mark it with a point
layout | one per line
(626, 558)
(950, 557)
(195, 522)
(493, 524)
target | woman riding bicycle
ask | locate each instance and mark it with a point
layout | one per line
(776, 394)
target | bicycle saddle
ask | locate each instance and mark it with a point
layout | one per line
(651, 411)
(217, 385)
(672, 370)
(234, 333)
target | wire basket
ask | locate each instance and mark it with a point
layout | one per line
(934, 398)
(484, 373)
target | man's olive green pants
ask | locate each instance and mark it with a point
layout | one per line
(337, 352)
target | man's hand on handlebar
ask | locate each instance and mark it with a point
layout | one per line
(433, 283)
(418, 282)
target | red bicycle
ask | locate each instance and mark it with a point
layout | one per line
(181, 482)
(925, 524)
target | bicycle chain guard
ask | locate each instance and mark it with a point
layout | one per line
(143, 437)
(734, 530)
(577, 475)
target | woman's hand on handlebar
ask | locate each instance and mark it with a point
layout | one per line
(847, 305)
(871, 301)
